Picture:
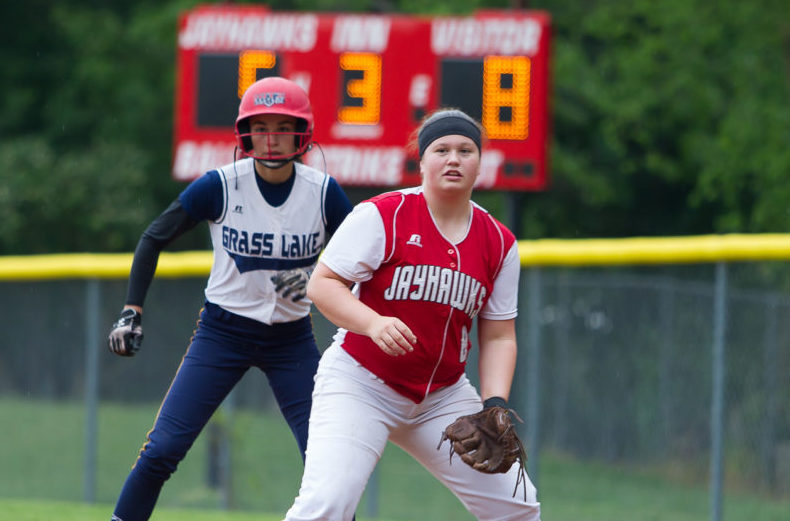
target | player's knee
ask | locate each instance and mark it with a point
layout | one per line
(162, 454)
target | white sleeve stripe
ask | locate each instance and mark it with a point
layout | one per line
(501, 243)
(324, 189)
(223, 179)
(394, 227)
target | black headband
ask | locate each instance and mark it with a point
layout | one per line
(449, 123)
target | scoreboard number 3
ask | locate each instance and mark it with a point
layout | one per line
(360, 82)
(361, 85)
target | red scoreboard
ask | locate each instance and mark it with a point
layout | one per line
(370, 78)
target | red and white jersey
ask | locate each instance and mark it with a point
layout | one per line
(404, 267)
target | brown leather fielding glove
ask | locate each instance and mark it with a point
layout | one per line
(487, 441)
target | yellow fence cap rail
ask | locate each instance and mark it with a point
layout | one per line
(655, 250)
(692, 249)
(100, 265)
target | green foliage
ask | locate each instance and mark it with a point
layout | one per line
(670, 118)
(88, 164)
(80, 200)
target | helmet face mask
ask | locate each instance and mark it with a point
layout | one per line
(301, 142)
(278, 96)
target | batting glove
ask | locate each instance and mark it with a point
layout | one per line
(127, 333)
(292, 283)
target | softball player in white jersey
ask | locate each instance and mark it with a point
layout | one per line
(269, 217)
(425, 262)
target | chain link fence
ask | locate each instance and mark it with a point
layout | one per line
(617, 364)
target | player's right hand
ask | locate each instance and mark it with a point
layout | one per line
(292, 283)
(127, 333)
(392, 336)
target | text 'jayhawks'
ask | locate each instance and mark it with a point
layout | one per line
(436, 284)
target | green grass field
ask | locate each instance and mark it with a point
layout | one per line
(19, 510)
(41, 477)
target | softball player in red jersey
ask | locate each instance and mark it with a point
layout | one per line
(403, 278)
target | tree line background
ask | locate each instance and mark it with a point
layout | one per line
(669, 117)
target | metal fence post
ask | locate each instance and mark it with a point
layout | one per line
(717, 400)
(770, 359)
(666, 313)
(226, 450)
(372, 494)
(533, 373)
(562, 357)
(91, 386)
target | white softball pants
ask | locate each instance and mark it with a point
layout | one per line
(354, 414)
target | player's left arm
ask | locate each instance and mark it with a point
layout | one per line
(497, 361)
(496, 326)
(337, 206)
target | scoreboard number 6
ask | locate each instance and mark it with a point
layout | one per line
(249, 64)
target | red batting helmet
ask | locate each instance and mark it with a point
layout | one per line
(275, 95)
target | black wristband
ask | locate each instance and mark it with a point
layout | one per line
(495, 401)
(130, 316)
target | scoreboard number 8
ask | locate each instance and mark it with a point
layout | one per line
(506, 97)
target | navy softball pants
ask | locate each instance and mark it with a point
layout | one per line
(223, 348)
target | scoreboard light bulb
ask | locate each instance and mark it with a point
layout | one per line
(513, 97)
(367, 89)
(249, 64)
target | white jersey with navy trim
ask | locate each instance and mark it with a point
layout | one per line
(253, 240)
